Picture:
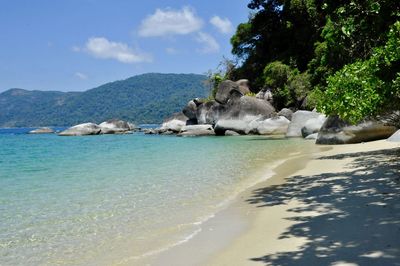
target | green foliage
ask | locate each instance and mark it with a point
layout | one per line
(251, 94)
(147, 98)
(339, 50)
(288, 85)
(365, 87)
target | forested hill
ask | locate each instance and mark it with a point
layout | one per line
(146, 98)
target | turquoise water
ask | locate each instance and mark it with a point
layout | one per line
(115, 199)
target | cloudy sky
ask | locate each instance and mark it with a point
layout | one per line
(74, 45)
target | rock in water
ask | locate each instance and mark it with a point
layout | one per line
(115, 126)
(395, 137)
(81, 130)
(42, 130)
(337, 131)
(175, 123)
(299, 120)
(197, 130)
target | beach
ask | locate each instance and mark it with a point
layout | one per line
(337, 206)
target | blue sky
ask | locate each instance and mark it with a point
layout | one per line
(74, 45)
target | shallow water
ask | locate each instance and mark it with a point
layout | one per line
(101, 200)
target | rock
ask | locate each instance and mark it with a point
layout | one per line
(265, 94)
(150, 131)
(337, 131)
(237, 125)
(271, 126)
(190, 110)
(81, 130)
(116, 126)
(312, 136)
(286, 113)
(395, 137)
(231, 133)
(299, 119)
(225, 90)
(42, 130)
(249, 106)
(244, 87)
(209, 112)
(175, 123)
(240, 111)
(313, 125)
(197, 130)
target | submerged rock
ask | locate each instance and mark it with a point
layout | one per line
(81, 130)
(337, 131)
(231, 133)
(42, 130)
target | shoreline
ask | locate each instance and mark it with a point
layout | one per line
(233, 219)
(255, 229)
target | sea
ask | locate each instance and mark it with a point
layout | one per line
(119, 199)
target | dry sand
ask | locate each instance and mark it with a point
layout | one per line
(342, 208)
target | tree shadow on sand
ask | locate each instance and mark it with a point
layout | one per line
(358, 212)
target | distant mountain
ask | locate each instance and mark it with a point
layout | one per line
(146, 98)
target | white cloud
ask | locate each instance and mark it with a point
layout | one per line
(81, 75)
(171, 50)
(100, 47)
(210, 45)
(170, 22)
(224, 25)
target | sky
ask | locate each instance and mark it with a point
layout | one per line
(75, 45)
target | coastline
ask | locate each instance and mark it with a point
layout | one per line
(286, 220)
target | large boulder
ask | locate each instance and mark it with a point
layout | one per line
(116, 126)
(244, 86)
(395, 137)
(42, 130)
(233, 124)
(286, 113)
(249, 106)
(271, 126)
(313, 125)
(197, 130)
(240, 111)
(209, 112)
(337, 131)
(299, 120)
(225, 90)
(81, 130)
(190, 110)
(175, 123)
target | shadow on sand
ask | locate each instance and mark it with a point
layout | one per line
(358, 220)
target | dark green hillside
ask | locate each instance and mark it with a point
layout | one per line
(146, 98)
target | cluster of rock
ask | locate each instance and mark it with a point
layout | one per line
(113, 126)
(235, 113)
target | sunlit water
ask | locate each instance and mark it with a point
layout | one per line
(105, 200)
